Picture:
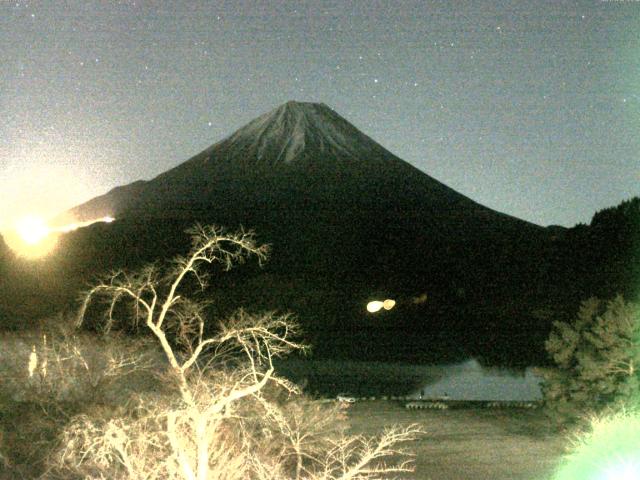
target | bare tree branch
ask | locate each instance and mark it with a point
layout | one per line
(207, 431)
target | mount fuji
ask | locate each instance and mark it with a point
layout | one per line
(297, 153)
(347, 221)
(314, 185)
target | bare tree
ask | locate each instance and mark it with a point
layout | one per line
(224, 421)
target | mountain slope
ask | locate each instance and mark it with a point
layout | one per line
(329, 199)
(347, 221)
(298, 149)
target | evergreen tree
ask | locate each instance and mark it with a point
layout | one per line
(597, 358)
(614, 249)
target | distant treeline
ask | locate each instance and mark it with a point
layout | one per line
(494, 300)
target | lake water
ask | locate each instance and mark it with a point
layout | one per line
(471, 381)
(467, 380)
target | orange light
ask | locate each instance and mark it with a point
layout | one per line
(377, 305)
(70, 227)
(32, 229)
(32, 238)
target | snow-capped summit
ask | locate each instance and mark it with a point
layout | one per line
(288, 132)
(295, 133)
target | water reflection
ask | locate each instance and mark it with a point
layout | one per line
(471, 381)
(467, 380)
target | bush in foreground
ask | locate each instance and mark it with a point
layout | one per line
(597, 359)
(52, 373)
(225, 415)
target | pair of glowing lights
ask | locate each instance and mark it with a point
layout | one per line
(377, 305)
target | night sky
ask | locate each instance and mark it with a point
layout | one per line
(531, 108)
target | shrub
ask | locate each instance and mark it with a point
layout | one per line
(50, 375)
(60, 364)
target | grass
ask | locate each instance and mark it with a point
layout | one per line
(464, 444)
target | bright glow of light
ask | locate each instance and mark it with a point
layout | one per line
(609, 451)
(388, 304)
(46, 179)
(70, 227)
(622, 471)
(32, 229)
(377, 305)
(31, 237)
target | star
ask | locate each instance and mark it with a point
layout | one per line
(475, 91)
